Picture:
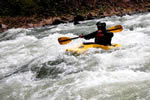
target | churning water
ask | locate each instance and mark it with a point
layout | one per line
(34, 66)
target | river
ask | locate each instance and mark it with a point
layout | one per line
(34, 66)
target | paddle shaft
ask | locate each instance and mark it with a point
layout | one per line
(70, 39)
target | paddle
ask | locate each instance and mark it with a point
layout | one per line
(117, 28)
(65, 40)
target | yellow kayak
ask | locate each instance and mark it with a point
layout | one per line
(85, 46)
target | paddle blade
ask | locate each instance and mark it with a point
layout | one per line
(64, 40)
(117, 28)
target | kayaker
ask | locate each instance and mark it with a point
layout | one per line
(102, 36)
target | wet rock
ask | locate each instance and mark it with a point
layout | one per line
(148, 10)
(76, 22)
(90, 17)
(78, 18)
(3, 27)
(64, 19)
(58, 21)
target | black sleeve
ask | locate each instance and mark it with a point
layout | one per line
(89, 36)
(110, 34)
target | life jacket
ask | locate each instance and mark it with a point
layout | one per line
(99, 35)
(104, 38)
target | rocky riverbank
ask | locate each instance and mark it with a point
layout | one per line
(109, 9)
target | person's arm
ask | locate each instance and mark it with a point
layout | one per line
(110, 34)
(89, 36)
(108, 37)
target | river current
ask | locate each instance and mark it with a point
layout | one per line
(34, 66)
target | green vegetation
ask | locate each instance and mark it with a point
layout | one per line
(42, 7)
(55, 7)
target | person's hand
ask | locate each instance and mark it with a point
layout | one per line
(81, 35)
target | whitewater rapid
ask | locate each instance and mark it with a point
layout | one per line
(34, 66)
